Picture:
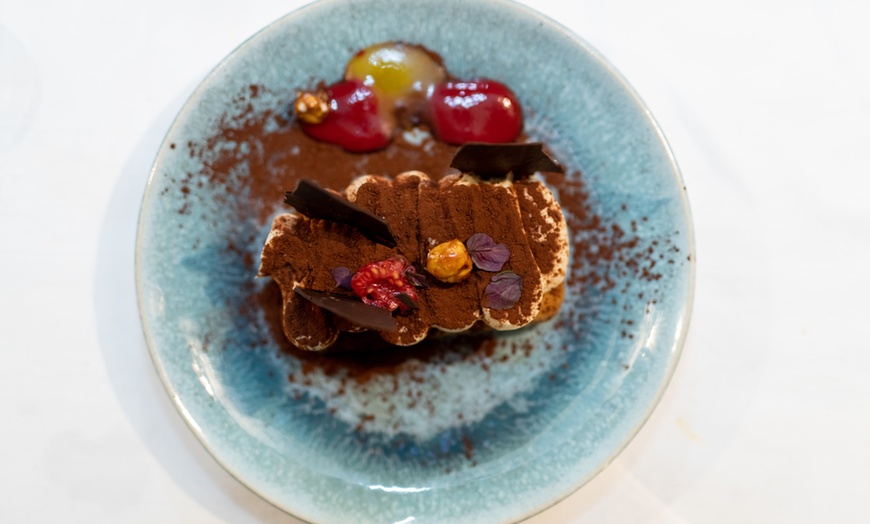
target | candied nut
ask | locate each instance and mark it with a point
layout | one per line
(311, 108)
(449, 262)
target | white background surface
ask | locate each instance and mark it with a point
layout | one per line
(767, 108)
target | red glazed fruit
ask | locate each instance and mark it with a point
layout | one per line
(475, 111)
(380, 283)
(351, 120)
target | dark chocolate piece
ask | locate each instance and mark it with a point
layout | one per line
(315, 202)
(351, 308)
(497, 160)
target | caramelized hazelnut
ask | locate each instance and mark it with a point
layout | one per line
(449, 262)
(311, 108)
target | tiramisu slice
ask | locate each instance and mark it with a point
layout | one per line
(407, 255)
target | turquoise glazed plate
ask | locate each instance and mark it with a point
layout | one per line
(462, 429)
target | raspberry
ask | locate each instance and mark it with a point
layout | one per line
(379, 283)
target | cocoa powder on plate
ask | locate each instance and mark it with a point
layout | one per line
(255, 155)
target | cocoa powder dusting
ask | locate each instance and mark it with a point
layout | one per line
(438, 225)
(255, 155)
(277, 154)
(504, 214)
(260, 154)
(532, 204)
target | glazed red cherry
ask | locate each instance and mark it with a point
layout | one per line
(379, 283)
(345, 115)
(475, 111)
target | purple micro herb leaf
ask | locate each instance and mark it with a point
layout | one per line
(406, 299)
(342, 276)
(503, 291)
(415, 278)
(485, 253)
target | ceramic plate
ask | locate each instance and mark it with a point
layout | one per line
(488, 429)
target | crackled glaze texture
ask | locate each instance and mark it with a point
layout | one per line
(471, 429)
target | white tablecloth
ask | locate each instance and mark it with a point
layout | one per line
(766, 107)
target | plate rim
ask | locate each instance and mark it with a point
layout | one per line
(686, 302)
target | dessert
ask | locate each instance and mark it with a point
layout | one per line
(514, 229)
(486, 247)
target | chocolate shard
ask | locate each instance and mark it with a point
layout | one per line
(497, 160)
(315, 202)
(351, 308)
